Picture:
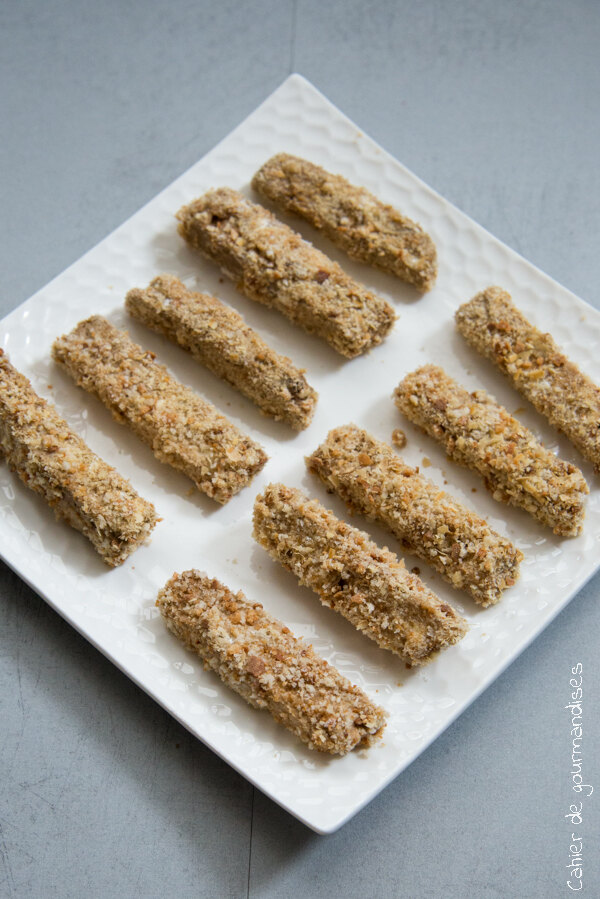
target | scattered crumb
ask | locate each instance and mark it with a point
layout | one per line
(473, 489)
(519, 411)
(445, 481)
(426, 462)
(190, 492)
(416, 570)
(49, 386)
(399, 438)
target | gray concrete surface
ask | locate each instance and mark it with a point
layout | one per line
(495, 105)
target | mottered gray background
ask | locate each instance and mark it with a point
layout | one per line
(103, 104)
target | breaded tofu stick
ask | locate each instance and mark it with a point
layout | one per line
(182, 429)
(217, 336)
(351, 217)
(258, 657)
(54, 461)
(374, 481)
(479, 433)
(272, 264)
(349, 573)
(535, 366)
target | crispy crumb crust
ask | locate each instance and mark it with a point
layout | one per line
(351, 217)
(272, 264)
(54, 461)
(182, 429)
(351, 575)
(535, 366)
(217, 336)
(373, 480)
(477, 432)
(258, 657)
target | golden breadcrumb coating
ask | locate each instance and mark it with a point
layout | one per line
(51, 459)
(535, 366)
(351, 217)
(375, 481)
(479, 433)
(272, 264)
(367, 585)
(258, 657)
(217, 336)
(182, 429)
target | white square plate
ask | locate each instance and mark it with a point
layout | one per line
(115, 609)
